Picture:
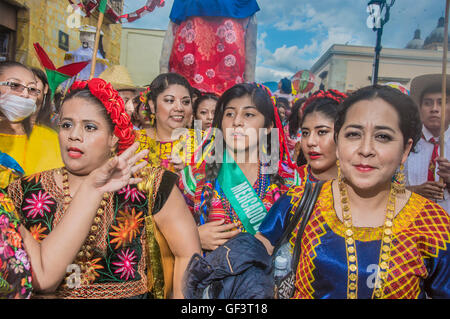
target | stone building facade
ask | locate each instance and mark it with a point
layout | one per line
(54, 24)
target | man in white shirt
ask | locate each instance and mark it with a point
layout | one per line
(425, 166)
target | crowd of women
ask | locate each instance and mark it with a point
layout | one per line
(108, 196)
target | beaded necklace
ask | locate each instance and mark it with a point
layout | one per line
(352, 259)
(85, 254)
(261, 186)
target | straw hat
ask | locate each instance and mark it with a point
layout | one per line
(424, 82)
(119, 77)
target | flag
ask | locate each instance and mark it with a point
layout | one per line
(102, 6)
(56, 76)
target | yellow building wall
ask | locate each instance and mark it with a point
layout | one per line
(40, 21)
(141, 51)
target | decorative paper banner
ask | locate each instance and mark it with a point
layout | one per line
(56, 76)
(90, 5)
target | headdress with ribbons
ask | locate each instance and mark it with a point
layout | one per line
(115, 107)
(285, 158)
(331, 94)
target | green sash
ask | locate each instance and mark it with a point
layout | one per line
(241, 195)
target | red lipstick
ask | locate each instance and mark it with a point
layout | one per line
(75, 152)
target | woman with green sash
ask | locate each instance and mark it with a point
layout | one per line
(244, 173)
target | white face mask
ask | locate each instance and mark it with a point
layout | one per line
(16, 108)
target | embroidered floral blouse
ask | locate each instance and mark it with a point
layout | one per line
(118, 267)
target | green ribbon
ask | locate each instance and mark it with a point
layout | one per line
(241, 195)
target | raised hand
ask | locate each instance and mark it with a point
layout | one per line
(119, 171)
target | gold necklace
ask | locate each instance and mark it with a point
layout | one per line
(352, 258)
(85, 253)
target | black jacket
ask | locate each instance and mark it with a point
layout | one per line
(239, 269)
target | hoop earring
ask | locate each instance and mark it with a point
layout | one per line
(398, 180)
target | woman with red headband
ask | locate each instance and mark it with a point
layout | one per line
(113, 251)
(244, 157)
(317, 141)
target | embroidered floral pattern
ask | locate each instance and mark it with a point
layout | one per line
(203, 61)
(38, 204)
(15, 268)
(126, 264)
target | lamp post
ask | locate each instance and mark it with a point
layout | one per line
(376, 22)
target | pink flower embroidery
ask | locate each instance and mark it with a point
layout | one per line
(230, 37)
(228, 25)
(131, 192)
(198, 78)
(126, 264)
(221, 31)
(220, 47)
(210, 73)
(38, 204)
(190, 36)
(188, 59)
(230, 60)
(239, 80)
(181, 47)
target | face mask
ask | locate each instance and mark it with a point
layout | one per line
(16, 108)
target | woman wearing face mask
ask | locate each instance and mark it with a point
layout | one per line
(34, 148)
(171, 143)
(368, 236)
(242, 114)
(113, 246)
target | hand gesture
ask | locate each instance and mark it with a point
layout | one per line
(119, 171)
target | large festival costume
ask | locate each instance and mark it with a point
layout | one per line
(212, 43)
(416, 257)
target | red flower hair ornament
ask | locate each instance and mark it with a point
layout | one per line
(115, 107)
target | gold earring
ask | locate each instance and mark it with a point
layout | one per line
(339, 171)
(398, 181)
(152, 119)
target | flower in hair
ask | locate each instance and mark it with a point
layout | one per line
(144, 95)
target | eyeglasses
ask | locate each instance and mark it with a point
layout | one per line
(18, 88)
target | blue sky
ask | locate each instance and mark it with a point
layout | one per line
(292, 35)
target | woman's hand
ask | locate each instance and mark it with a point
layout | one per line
(215, 234)
(119, 171)
(430, 190)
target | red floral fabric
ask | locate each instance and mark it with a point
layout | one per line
(210, 52)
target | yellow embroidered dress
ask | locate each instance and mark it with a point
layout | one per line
(161, 152)
(36, 153)
(418, 262)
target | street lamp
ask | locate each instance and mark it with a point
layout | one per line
(376, 23)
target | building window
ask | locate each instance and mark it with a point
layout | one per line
(7, 38)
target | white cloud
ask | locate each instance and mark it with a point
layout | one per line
(265, 74)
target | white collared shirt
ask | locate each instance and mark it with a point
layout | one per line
(416, 166)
